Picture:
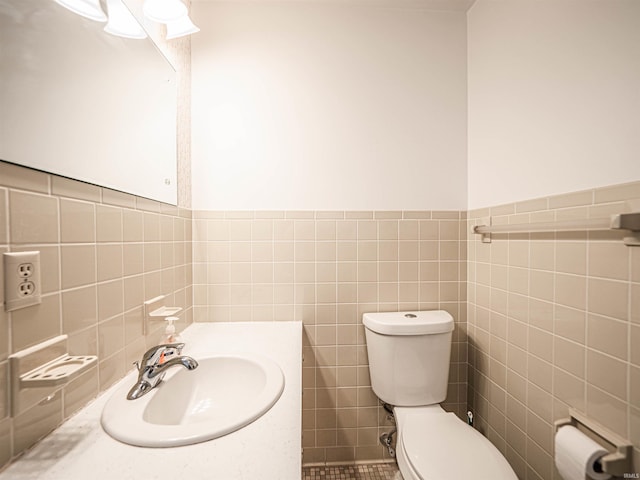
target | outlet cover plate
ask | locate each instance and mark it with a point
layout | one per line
(21, 279)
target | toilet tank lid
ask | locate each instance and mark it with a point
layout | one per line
(409, 323)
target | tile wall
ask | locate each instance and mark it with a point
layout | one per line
(553, 323)
(327, 269)
(102, 254)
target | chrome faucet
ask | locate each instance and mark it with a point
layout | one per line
(155, 362)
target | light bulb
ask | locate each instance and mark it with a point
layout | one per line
(121, 22)
(180, 28)
(87, 8)
(164, 11)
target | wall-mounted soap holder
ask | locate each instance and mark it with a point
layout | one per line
(57, 372)
(38, 371)
(616, 463)
(156, 309)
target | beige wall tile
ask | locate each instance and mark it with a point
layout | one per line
(532, 205)
(540, 343)
(607, 410)
(132, 226)
(32, 218)
(575, 199)
(635, 265)
(84, 342)
(542, 255)
(80, 391)
(540, 461)
(151, 227)
(541, 314)
(4, 340)
(151, 259)
(133, 320)
(409, 230)
(35, 423)
(634, 356)
(519, 253)
(608, 336)
(78, 265)
(109, 262)
(570, 290)
(108, 224)
(110, 336)
(113, 197)
(4, 221)
(35, 324)
(429, 230)
(5, 441)
(540, 432)
(23, 178)
(617, 192)
(569, 389)
(132, 258)
(634, 394)
(569, 356)
(609, 298)
(110, 299)
(540, 402)
(607, 374)
(519, 280)
(4, 390)
(111, 369)
(635, 303)
(570, 323)
(66, 187)
(571, 257)
(79, 309)
(449, 250)
(609, 260)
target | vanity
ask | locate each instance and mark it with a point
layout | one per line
(269, 448)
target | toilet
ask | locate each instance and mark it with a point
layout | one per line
(409, 366)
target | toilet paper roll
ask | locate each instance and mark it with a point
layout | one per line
(577, 455)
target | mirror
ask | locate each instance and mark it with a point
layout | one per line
(81, 103)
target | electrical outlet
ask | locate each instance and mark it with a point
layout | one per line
(21, 279)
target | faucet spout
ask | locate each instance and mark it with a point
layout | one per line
(155, 362)
(187, 362)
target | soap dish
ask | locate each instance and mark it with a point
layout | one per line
(165, 312)
(38, 371)
(57, 372)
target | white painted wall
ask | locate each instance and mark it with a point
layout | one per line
(554, 97)
(320, 105)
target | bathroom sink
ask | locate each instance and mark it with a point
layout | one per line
(224, 394)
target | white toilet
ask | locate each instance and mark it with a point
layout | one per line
(409, 364)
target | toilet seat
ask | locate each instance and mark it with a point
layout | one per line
(436, 445)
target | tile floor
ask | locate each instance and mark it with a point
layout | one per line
(377, 471)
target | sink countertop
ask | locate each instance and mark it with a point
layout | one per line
(267, 449)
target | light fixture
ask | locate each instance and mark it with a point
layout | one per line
(121, 22)
(87, 8)
(164, 11)
(180, 28)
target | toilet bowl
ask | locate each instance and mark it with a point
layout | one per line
(409, 365)
(436, 445)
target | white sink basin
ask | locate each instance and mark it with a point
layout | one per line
(224, 394)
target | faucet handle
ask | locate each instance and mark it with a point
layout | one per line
(173, 346)
(152, 355)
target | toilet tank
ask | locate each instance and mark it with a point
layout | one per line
(409, 354)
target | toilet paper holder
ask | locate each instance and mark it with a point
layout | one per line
(616, 463)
